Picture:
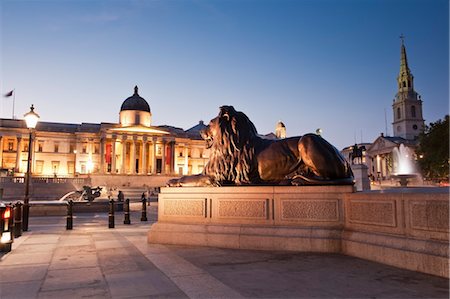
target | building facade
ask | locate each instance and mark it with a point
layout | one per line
(131, 147)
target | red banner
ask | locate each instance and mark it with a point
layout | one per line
(168, 155)
(108, 153)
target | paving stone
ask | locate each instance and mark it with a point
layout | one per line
(28, 258)
(94, 292)
(22, 273)
(73, 278)
(20, 290)
(74, 261)
(141, 283)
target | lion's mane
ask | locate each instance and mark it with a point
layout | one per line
(232, 159)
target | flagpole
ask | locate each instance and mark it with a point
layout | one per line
(14, 102)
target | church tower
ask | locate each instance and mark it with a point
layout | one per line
(407, 106)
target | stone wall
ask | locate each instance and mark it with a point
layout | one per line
(407, 230)
(403, 229)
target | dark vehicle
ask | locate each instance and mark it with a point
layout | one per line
(6, 227)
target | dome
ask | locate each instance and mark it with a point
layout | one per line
(135, 102)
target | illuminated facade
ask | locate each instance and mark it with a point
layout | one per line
(131, 147)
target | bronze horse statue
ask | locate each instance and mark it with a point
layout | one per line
(239, 156)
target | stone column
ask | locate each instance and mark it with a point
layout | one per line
(1, 151)
(154, 156)
(172, 156)
(144, 155)
(102, 154)
(113, 155)
(133, 155)
(163, 155)
(18, 153)
(124, 154)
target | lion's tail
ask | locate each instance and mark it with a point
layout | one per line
(301, 180)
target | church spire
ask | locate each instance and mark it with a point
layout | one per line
(405, 79)
(407, 106)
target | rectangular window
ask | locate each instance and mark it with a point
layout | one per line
(72, 148)
(96, 148)
(40, 146)
(82, 167)
(25, 146)
(56, 147)
(39, 166)
(71, 167)
(84, 148)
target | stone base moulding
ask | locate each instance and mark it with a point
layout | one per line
(403, 229)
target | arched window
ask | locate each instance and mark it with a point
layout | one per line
(137, 119)
(413, 111)
(404, 84)
(399, 114)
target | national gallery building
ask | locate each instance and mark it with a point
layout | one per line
(131, 147)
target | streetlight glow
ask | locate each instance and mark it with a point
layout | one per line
(31, 118)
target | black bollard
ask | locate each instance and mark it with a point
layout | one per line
(126, 211)
(17, 219)
(69, 218)
(144, 207)
(111, 214)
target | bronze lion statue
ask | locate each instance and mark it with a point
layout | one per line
(239, 156)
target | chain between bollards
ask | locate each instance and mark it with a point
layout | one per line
(144, 207)
(111, 214)
(126, 211)
(69, 218)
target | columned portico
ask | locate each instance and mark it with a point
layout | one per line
(131, 147)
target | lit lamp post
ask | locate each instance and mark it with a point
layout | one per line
(31, 118)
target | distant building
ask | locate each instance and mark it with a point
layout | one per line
(407, 125)
(131, 147)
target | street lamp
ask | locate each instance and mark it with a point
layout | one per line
(31, 118)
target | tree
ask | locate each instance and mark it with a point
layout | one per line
(433, 150)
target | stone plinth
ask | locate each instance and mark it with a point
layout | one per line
(273, 218)
(360, 172)
(404, 228)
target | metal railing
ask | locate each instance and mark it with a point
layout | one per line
(45, 180)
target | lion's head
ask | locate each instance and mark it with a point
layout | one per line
(230, 136)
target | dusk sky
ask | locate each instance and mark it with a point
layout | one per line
(312, 64)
